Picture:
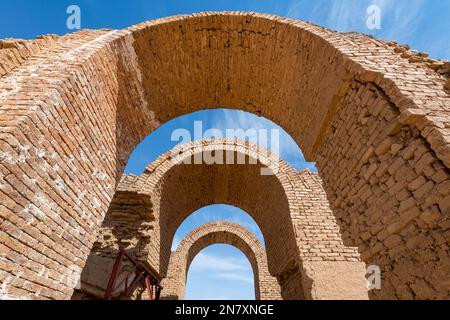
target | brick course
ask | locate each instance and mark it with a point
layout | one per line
(372, 114)
(266, 286)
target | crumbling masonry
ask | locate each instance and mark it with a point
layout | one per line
(374, 116)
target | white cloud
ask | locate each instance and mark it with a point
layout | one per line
(232, 119)
(401, 17)
(205, 261)
(234, 276)
(342, 14)
(214, 277)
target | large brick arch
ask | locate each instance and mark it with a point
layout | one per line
(372, 114)
(305, 251)
(220, 232)
(268, 199)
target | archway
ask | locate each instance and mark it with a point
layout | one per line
(216, 123)
(266, 286)
(303, 243)
(374, 123)
(220, 272)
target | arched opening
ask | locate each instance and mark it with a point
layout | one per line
(220, 232)
(220, 272)
(379, 145)
(266, 200)
(229, 123)
(216, 212)
(300, 257)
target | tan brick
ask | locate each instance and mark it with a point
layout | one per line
(74, 107)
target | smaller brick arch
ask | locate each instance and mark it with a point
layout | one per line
(303, 244)
(266, 286)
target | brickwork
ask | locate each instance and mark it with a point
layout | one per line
(394, 203)
(14, 52)
(266, 286)
(290, 207)
(72, 109)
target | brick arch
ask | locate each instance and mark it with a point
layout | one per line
(220, 232)
(372, 115)
(305, 250)
(165, 174)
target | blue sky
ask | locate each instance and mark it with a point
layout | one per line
(222, 272)
(424, 24)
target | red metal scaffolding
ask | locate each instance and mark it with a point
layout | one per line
(140, 274)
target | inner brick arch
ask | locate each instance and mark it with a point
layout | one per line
(174, 285)
(74, 107)
(196, 186)
(305, 251)
(217, 212)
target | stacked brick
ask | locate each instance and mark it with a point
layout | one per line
(14, 52)
(73, 108)
(391, 194)
(318, 234)
(315, 240)
(266, 286)
(58, 164)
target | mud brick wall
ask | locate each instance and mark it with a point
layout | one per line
(72, 109)
(391, 194)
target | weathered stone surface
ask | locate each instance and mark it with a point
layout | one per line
(72, 109)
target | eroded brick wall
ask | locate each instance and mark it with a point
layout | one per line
(72, 111)
(14, 52)
(390, 193)
(60, 158)
(330, 268)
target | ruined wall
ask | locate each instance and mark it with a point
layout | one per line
(330, 268)
(71, 113)
(174, 285)
(390, 193)
(14, 52)
(59, 159)
(129, 224)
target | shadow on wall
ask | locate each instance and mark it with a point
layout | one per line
(129, 225)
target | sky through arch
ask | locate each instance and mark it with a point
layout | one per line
(219, 267)
(220, 272)
(160, 141)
